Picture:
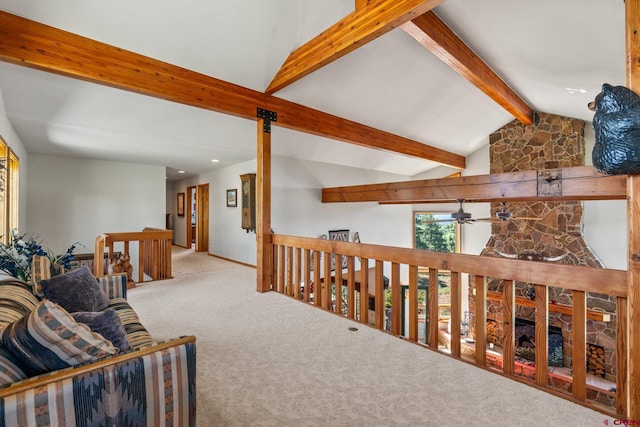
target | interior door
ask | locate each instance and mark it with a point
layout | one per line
(202, 218)
(188, 218)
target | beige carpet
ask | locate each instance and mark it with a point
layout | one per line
(267, 360)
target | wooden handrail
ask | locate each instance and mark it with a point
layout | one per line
(154, 251)
(292, 276)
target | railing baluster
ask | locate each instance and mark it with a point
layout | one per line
(413, 303)
(364, 290)
(307, 275)
(481, 321)
(338, 284)
(289, 280)
(298, 274)
(326, 284)
(274, 270)
(434, 310)
(622, 319)
(317, 281)
(579, 350)
(351, 288)
(542, 338)
(456, 313)
(509, 319)
(379, 295)
(396, 299)
(281, 269)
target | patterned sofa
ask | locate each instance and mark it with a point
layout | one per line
(152, 384)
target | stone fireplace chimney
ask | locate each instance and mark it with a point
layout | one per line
(552, 142)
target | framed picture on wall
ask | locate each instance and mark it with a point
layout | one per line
(180, 204)
(232, 198)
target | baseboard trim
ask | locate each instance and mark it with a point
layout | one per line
(233, 260)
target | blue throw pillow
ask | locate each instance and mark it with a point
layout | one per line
(106, 323)
(11, 369)
(48, 339)
(77, 290)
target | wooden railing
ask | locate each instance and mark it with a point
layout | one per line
(154, 251)
(301, 266)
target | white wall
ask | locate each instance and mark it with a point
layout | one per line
(297, 208)
(71, 199)
(605, 221)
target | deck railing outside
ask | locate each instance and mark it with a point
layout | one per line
(305, 269)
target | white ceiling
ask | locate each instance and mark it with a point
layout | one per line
(554, 54)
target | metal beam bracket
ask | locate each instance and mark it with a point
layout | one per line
(268, 116)
(550, 182)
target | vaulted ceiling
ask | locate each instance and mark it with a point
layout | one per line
(554, 57)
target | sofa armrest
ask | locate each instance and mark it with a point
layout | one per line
(152, 386)
(114, 285)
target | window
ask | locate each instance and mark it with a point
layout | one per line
(9, 184)
(436, 232)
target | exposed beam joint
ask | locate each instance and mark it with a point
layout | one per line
(578, 183)
(368, 22)
(436, 37)
(35, 45)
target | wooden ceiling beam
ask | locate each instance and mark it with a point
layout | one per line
(435, 36)
(577, 183)
(35, 45)
(369, 21)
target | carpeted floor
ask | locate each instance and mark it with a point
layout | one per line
(267, 360)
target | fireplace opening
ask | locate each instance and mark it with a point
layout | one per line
(525, 341)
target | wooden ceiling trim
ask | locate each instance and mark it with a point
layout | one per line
(577, 183)
(368, 22)
(435, 36)
(28, 43)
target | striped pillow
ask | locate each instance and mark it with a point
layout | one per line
(16, 300)
(48, 339)
(11, 370)
(137, 334)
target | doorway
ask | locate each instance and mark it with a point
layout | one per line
(198, 220)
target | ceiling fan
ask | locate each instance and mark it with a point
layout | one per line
(463, 217)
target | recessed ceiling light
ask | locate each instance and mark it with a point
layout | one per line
(215, 160)
(180, 171)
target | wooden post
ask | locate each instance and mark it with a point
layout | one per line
(509, 319)
(396, 300)
(364, 290)
(578, 338)
(542, 335)
(481, 321)
(456, 312)
(263, 230)
(632, 13)
(434, 310)
(379, 295)
(413, 303)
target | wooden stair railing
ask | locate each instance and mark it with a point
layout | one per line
(154, 251)
(300, 266)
